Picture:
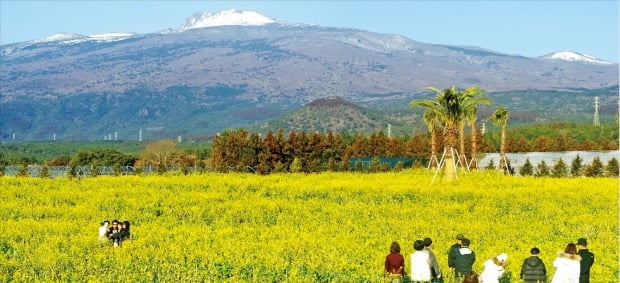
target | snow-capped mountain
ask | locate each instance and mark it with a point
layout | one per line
(575, 57)
(226, 18)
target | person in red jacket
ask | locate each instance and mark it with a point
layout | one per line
(395, 264)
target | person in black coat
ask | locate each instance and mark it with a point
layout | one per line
(533, 269)
(587, 260)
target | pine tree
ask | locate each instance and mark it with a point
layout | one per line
(576, 166)
(595, 169)
(542, 169)
(527, 169)
(560, 169)
(45, 171)
(611, 170)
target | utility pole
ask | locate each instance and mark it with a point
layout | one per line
(389, 131)
(115, 135)
(596, 121)
(140, 135)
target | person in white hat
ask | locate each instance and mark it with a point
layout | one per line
(494, 269)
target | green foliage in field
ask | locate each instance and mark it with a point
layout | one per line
(328, 227)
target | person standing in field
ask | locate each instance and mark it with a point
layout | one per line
(394, 264)
(463, 261)
(454, 250)
(494, 269)
(435, 271)
(587, 260)
(567, 266)
(533, 269)
(420, 263)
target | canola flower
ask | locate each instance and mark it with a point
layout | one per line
(327, 227)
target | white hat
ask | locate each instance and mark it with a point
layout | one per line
(502, 257)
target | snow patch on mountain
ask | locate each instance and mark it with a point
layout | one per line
(111, 36)
(575, 57)
(226, 18)
(58, 37)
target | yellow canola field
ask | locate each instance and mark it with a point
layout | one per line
(327, 227)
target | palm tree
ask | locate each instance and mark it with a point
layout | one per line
(473, 97)
(448, 111)
(500, 118)
(430, 119)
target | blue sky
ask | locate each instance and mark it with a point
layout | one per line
(530, 28)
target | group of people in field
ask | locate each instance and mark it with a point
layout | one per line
(116, 233)
(571, 266)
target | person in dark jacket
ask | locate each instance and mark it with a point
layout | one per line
(587, 260)
(454, 249)
(394, 264)
(533, 269)
(463, 261)
(125, 234)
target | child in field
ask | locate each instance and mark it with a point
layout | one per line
(533, 269)
(494, 269)
(394, 264)
(420, 263)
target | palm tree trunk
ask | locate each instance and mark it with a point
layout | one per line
(462, 158)
(433, 160)
(502, 149)
(474, 146)
(451, 137)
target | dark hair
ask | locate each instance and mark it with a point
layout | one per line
(126, 223)
(534, 251)
(104, 221)
(427, 242)
(465, 242)
(418, 245)
(115, 221)
(571, 249)
(471, 277)
(395, 248)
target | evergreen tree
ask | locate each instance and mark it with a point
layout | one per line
(45, 171)
(527, 169)
(560, 169)
(296, 165)
(542, 169)
(595, 169)
(576, 166)
(2, 169)
(23, 170)
(611, 170)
